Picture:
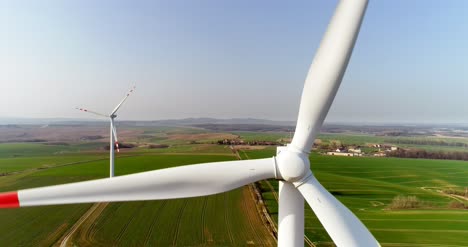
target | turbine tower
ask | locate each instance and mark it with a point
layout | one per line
(113, 143)
(291, 166)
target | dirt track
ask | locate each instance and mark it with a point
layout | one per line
(89, 216)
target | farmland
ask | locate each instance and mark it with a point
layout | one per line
(366, 185)
(225, 219)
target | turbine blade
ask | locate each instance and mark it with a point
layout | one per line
(327, 70)
(179, 182)
(123, 100)
(92, 112)
(116, 141)
(342, 225)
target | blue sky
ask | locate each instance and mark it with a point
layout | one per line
(225, 59)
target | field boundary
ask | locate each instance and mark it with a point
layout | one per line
(260, 205)
(262, 210)
(64, 241)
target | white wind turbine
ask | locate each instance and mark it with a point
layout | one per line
(114, 142)
(291, 166)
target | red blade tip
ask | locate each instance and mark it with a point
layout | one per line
(9, 200)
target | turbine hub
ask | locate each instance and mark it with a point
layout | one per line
(292, 165)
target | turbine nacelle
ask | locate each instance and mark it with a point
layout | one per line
(292, 165)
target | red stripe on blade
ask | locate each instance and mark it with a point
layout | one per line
(9, 200)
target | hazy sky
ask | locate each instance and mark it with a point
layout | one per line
(237, 58)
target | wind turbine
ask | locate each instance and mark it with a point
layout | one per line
(114, 142)
(291, 166)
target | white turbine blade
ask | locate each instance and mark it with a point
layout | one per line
(342, 225)
(92, 112)
(123, 100)
(178, 182)
(327, 70)
(116, 141)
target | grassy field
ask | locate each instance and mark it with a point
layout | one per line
(262, 136)
(368, 185)
(222, 220)
(29, 150)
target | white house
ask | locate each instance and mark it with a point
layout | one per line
(355, 150)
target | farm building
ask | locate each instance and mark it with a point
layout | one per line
(344, 154)
(355, 150)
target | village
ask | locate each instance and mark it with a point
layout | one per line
(335, 148)
(377, 150)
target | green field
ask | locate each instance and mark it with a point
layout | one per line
(217, 220)
(262, 136)
(29, 150)
(222, 220)
(368, 185)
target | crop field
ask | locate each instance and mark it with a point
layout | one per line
(264, 136)
(368, 185)
(15, 150)
(220, 220)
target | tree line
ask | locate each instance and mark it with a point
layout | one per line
(428, 142)
(423, 154)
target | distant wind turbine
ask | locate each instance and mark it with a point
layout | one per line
(113, 132)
